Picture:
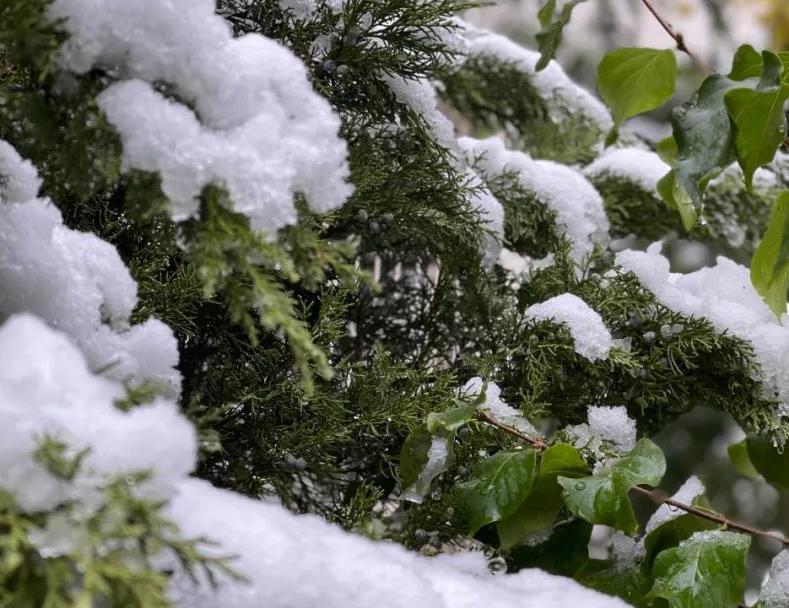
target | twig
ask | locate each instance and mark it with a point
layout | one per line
(678, 38)
(660, 498)
(538, 443)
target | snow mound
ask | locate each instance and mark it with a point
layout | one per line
(258, 130)
(592, 338)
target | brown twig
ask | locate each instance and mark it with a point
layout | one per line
(538, 443)
(660, 498)
(678, 38)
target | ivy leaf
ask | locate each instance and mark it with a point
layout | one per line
(770, 263)
(705, 571)
(772, 464)
(544, 502)
(414, 455)
(704, 135)
(676, 530)
(565, 552)
(636, 80)
(602, 498)
(550, 36)
(759, 117)
(497, 487)
(453, 419)
(676, 197)
(738, 454)
(747, 63)
(629, 580)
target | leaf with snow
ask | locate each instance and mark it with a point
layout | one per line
(705, 571)
(603, 497)
(496, 488)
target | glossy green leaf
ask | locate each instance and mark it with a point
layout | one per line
(747, 63)
(705, 571)
(770, 262)
(759, 117)
(452, 420)
(544, 502)
(414, 455)
(550, 35)
(603, 497)
(674, 195)
(771, 463)
(629, 581)
(565, 552)
(636, 80)
(738, 454)
(705, 136)
(497, 487)
(667, 150)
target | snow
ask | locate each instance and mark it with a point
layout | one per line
(294, 560)
(498, 409)
(614, 425)
(551, 83)
(579, 210)
(78, 284)
(258, 129)
(724, 295)
(687, 493)
(492, 212)
(606, 425)
(420, 96)
(642, 167)
(19, 181)
(592, 339)
(775, 590)
(288, 560)
(46, 389)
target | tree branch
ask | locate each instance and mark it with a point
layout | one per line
(678, 38)
(660, 498)
(538, 443)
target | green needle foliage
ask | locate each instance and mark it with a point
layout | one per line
(323, 365)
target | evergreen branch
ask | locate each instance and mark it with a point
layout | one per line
(678, 38)
(538, 443)
(660, 498)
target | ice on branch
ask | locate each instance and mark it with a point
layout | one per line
(498, 409)
(592, 338)
(578, 207)
(259, 131)
(552, 84)
(289, 560)
(641, 167)
(724, 295)
(46, 390)
(77, 283)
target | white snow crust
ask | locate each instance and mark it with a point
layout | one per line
(551, 83)
(77, 283)
(591, 336)
(259, 131)
(289, 560)
(641, 167)
(497, 407)
(724, 295)
(775, 590)
(579, 210)
(46, 389)
(687, 493)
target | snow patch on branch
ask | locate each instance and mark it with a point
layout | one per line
(592, 338)
(578, 207)
(259, 130)
(724, 295)
(77, 283)
(642, 167)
